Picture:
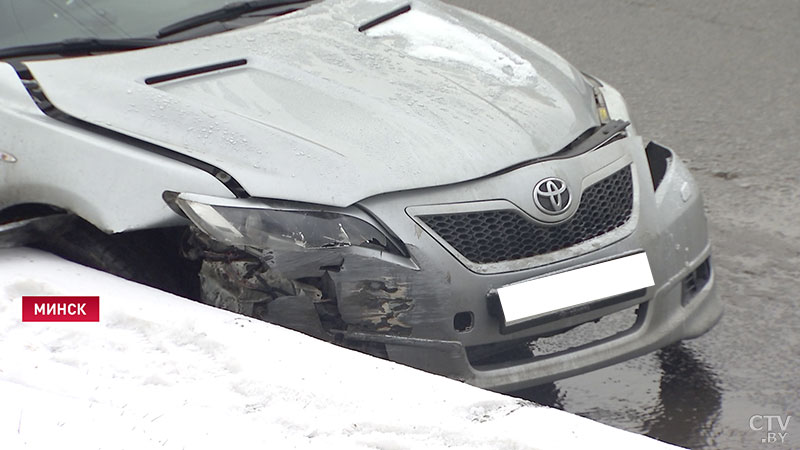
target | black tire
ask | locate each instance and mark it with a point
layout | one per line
(150, 257)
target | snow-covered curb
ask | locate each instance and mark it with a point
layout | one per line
(160, 371)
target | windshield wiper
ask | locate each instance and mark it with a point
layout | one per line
(77, 46)
(85, 46)
(227, 12)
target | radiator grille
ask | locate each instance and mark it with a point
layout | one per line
(486, 237)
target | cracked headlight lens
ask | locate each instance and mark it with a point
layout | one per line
(254, 224)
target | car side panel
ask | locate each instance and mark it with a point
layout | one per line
(114, 185)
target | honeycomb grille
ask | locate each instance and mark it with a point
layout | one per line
(486, 237)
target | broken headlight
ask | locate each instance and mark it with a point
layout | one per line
(263, 224)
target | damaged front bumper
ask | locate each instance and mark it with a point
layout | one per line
(412, 296)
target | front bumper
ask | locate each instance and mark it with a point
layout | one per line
(431, 310)
(668, 224)
(663, 321)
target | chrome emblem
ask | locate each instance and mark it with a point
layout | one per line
(552, 196)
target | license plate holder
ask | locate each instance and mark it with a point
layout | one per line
(552, 297)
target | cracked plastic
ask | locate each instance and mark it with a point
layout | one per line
(301, 289)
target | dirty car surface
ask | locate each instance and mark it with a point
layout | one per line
(404, 178)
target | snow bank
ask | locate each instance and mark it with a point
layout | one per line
(159, 371)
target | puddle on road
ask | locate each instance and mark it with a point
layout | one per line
(671, 395)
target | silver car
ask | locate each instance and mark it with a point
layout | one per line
(405, 178)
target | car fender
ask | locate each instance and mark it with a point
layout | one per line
(112, 184)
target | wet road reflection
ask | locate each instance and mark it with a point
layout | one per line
(684, 412)
(690, 400)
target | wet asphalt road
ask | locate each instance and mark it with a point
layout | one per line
(718, 81)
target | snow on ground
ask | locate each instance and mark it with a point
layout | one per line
(160, 371)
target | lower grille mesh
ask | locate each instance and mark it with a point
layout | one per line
(486, 237)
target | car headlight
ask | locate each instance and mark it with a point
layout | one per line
(599, 99)
(261, 224)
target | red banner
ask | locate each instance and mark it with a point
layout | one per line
(60, 309)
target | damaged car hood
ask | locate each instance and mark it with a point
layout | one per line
(306, 107)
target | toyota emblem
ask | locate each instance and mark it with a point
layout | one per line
(552, 196)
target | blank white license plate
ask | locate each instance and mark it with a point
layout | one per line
(528, 300)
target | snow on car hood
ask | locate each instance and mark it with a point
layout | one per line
(326, 114)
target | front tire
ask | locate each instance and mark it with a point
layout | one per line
(149, 257)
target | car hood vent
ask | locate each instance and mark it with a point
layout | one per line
(194, 71)
(385, 18)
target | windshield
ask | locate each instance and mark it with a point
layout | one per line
(29, 22)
